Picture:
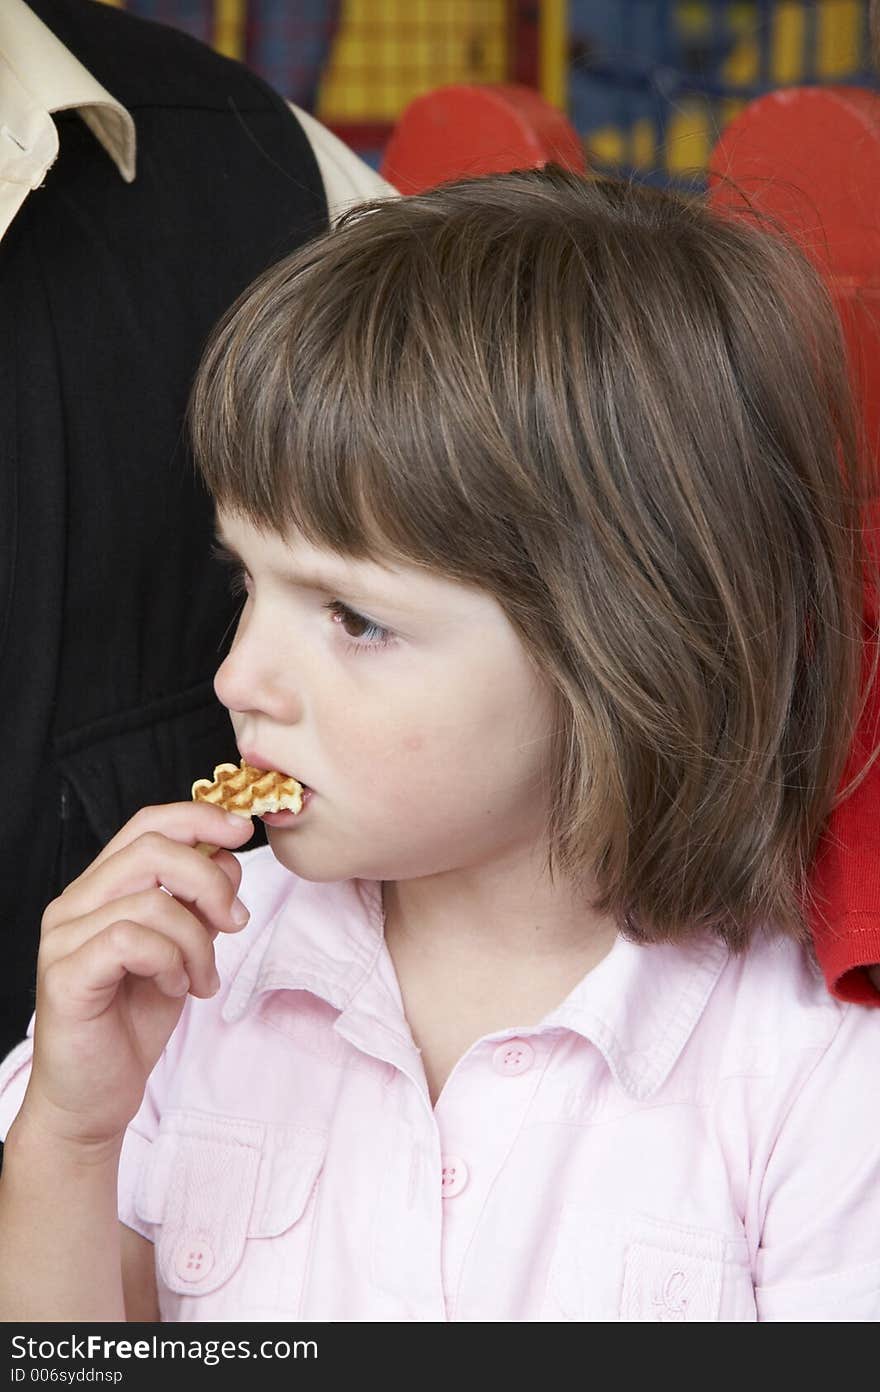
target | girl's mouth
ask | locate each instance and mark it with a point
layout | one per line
(287, 819)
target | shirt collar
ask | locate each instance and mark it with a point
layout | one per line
(39, 75)
(639, 1006)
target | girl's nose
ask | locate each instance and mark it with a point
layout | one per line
(253, 676)
(230, 685)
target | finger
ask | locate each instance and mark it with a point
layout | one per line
(205, 848)
(153, 861)
(188, 822)
(231, 867)
(151, 909)
(83, 984)
(225, 860)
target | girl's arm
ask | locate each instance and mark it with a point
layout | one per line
(139, 1277)
(61, 1243)
(845, 877)
(59, 1219)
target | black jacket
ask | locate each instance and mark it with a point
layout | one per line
(113, 619)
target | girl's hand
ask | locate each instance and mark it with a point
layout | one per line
(117, 957)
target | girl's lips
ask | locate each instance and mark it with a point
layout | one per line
(284, 819)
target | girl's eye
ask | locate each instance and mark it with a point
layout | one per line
(363, 632)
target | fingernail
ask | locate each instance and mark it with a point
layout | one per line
(238, 913)
(215, 982)
(236, 819)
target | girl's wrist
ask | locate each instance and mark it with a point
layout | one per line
(35, 1136)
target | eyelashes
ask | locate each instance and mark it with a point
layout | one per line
(232, 565)
(372, 635)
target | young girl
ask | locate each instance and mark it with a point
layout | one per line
(542, 495)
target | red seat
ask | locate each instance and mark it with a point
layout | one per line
(453, 132)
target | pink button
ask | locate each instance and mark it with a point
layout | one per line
(512, 1057)
(455, 1176)
(193, 1260)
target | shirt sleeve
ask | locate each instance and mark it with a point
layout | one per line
(844, 912)
(819, 1256)
(347, 179)
(15, 1070)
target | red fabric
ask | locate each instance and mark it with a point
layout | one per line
(845, 875)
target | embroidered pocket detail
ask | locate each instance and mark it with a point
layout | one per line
(670, 1286)
(211, 1183)
(643, 1269)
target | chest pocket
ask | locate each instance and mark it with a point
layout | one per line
(213, 1183)
(639, 1269)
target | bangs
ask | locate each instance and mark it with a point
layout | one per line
(363, 421)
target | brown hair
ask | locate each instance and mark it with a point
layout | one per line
(626, 418)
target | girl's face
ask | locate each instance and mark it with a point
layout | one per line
(406, 702)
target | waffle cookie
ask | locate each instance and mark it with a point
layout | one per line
(248, 791)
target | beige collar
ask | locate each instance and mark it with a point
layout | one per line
(38, 75)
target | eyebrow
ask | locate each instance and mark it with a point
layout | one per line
(311, 580)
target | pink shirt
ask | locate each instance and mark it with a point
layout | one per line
(687, 1136)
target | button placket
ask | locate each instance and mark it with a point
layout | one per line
(458, 1118)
